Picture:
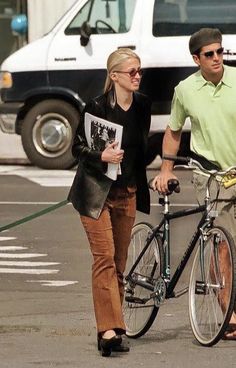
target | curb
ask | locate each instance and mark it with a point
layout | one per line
(14, 161)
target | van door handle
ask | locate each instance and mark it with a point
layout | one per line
(132, 47)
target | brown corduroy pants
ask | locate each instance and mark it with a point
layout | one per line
(109, 238)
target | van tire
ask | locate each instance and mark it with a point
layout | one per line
(47, 134)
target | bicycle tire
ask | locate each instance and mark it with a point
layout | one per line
(209, 313)
(138, 317)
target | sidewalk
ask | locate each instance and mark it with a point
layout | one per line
(11, 150)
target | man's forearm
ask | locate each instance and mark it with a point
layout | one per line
(170, 146)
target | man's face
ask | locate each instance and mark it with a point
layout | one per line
(210, 60)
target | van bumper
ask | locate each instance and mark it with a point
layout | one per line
(8, 116)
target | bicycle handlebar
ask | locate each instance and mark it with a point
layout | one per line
(173, 186)
(195, 164)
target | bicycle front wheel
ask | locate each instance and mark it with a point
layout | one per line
(139, 307)
(212, 287)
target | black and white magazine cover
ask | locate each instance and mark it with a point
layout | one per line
(99, 133)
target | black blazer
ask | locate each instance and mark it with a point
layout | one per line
(90, 186)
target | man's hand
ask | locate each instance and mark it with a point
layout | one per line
(160, 181)
(111, 154)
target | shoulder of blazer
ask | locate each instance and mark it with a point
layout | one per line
(100, 100)
(142, 99)
(99, 105)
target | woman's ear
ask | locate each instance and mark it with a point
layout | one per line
(113, 76)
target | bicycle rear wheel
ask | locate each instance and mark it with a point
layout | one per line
(139, 309)
(212, 287)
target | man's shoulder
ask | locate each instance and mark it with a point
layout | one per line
(230, 69)
(190, 80)
(230, 74)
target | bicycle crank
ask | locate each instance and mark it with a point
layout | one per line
(159, 294)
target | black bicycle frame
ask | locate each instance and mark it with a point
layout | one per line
(165, 235)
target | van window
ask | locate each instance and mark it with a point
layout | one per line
(104, 16)
(184, 17)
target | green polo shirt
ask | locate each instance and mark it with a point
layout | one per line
(212, 112)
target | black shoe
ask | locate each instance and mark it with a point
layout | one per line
(106, 346)
(122, 348)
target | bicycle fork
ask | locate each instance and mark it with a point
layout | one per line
(203, 286)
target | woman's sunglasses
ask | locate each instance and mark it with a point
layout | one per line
(210, 54)
(132, 73)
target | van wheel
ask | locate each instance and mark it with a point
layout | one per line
(47, 133)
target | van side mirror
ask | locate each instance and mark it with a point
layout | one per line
(85, 33)
(19, 24)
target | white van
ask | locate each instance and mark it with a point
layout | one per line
(45, 85)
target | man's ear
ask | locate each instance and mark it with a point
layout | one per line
(196, 59)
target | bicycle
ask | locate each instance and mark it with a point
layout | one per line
(149, 283)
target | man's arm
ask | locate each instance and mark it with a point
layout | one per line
(170, 146)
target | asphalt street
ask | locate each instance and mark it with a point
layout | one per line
(46, 314)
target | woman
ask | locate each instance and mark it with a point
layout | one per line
(107, 208)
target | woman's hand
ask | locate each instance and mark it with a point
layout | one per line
(111, 154)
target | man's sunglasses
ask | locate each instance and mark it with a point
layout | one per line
(210, 54)
(132, 73)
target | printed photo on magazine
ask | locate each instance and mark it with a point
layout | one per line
(99, 133)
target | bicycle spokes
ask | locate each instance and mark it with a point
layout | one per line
(140, 308)
(212, 287)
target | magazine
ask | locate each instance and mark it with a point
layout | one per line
(99, 133)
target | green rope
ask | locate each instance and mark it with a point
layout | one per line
(34, 215)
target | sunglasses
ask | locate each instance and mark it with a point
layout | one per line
(210, 54)
(132, 73)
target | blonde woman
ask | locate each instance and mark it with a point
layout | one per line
(107, 208)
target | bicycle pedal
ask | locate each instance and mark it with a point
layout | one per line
(134, 299)
(200, 288)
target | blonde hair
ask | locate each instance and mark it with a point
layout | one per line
(114, 62)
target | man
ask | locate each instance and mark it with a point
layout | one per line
(208, 98)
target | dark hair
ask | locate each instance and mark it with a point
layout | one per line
(203, 37)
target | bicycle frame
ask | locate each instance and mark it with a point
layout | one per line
(171, 282)
(163, 230)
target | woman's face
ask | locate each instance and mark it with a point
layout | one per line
(128, 75)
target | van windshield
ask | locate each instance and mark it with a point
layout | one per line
(104, 16)
(184, 17)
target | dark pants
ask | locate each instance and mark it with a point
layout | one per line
(109, 238)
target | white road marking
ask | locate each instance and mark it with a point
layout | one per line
(27, 271)
(22, 255)
(27, 267)
(9, 248)
(56, 283)
(6, 169)
(6, 238)
(9, 261)
(46, 178)
(27, 263)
